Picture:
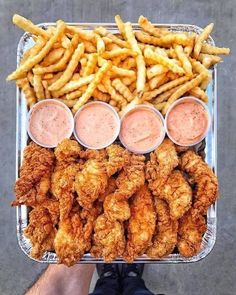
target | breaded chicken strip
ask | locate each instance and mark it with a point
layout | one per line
(165, 237)
(117, 158)
(62, 186)
(111, 187)
(90, 182)
(206, 182)
(67, 151)
(108, 239)
(162, 162)
(190, 232)
(41, 229)
(177, 193)
(141, 224)
(35, 174)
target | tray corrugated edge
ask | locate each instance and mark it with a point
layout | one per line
(211, 158)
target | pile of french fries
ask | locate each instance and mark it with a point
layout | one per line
(150, 66)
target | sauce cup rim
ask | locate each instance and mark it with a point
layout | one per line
(55, 101)
(158, 113)
(117, 122)
(177, 102)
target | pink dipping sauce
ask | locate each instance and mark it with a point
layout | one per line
(50, 122)
(96, 125)
(142, 130)
(187, 123)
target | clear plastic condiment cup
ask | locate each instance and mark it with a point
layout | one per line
(116, 133)
(187, 99)
(162, 136)
(46, 101)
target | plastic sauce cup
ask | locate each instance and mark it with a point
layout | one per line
(142, 129)
(96, 125)
(183, 120)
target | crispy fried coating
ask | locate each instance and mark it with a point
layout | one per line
(67, 151)
(132, 177)
(93, 154)
(90, 182)
(62, 186)
(177, 193)
(165, 237)
(162, 162)
(111, 187)
(32, 186)
(116, 208)
(117, 158)
(206, 182)
(141, 224)
(191, 229)
(108, 239)
(41, 229)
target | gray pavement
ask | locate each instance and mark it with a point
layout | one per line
(216, 274)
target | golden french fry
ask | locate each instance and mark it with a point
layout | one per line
(103, 32)
(73, 63)
(209, 60)
(154, 93)
(32, 61)
(45, 86)
(27, 90)
(159, 106)
(141, 67)
(137, 100)
(183, 89)
(199, 93)
(165, 61)
(128, 80)
(98, 95)
(164, 41)
(55, 77)
(118, 52)
(53, 56)
(157, 81)
(156, 70)
(184, 60)
(117, 60)
(101, 88)
(129, 63)
(38, 87)
(123, 89)
(112, 46)
(111, 90)
(106, 40)
(76, 94)
(100, 44)
(47, 76)
(69, 103)
(165, 95)
(85, 35)
(148, 27)
(73, 85)
(91, 64)
(28, 26)
(65, 41)
(120, 25)
(132, 87)
(209, 49)
(113, 103)
(89, 47)
(189, 48)
(92, 86)
(30, 78)
(61, 64)
(198, 67)
(123, 72)
(206, 81)
(201, 38)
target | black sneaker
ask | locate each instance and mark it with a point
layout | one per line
(106, 270)
(132, 270)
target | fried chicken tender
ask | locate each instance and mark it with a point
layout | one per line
(41, 229)
(206, 182)
(108, 239)
(177, 193)
(34, 182)
(94, 154)
(165, 237)
(67, 151)
(141, 224)
(191, 229)
(117, 158)
(115, 208)
(62, 186)
(111, 187)
(90, 182)
(132, 177)
(162, 162)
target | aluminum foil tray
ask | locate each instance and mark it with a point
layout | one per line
(22, 138)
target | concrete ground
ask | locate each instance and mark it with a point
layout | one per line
(215, 275)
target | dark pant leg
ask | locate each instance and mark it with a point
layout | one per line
(107, 286)
(134, 286)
